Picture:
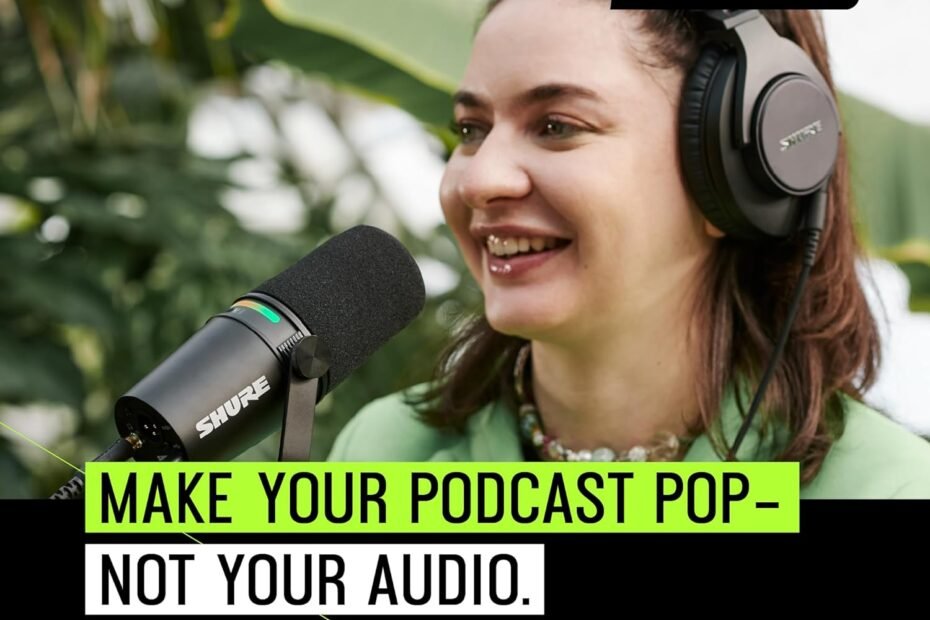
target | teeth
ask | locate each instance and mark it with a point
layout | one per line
(508, 246)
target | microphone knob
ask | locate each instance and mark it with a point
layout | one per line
(311, 358)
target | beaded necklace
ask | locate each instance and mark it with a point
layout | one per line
(665, 447)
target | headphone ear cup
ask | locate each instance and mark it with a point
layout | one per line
(692, 143)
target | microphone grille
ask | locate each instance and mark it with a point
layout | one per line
(355, 291)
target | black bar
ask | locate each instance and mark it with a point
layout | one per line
(583, 571)
(759, 4)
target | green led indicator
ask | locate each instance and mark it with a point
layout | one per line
(266, 312)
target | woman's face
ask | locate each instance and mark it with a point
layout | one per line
(566, 195)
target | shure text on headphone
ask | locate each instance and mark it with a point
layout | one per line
(801, 135)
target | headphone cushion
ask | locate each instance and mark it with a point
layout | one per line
(692, 144)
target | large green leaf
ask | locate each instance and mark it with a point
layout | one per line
(889, 162)
(429, 39)
(411, 53)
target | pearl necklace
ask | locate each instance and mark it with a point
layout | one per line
(665, 447)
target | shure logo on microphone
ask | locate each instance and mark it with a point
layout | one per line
(233, 406)
(801, 135)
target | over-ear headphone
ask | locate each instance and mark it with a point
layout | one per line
(758, 127)
(759, 134)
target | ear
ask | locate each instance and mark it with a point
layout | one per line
(713, 231)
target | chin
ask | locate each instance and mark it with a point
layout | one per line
(522, 322)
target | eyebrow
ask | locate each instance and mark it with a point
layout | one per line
(538, 94)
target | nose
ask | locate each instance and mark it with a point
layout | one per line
(494, 173)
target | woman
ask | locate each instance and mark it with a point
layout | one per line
(620, 323)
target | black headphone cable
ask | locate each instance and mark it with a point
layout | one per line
(811, 230)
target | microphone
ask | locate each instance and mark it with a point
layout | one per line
(222, 391)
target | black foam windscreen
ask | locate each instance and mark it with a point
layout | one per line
(355, 292)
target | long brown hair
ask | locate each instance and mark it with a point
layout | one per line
(833, 347)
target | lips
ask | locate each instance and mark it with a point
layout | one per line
(511, 256)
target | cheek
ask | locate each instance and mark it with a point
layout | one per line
(453, 209)
(457, 214)
(630, 209)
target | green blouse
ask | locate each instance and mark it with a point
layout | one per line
(875, 457)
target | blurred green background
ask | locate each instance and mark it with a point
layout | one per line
(118, 238)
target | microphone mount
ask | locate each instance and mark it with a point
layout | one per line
(310, 361)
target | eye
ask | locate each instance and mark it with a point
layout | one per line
(468, 132)
(555, 128)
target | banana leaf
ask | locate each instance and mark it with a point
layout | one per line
(410, 53)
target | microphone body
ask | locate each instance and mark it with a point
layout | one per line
(222, 390)
(216, 395)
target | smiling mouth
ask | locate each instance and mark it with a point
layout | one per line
(509, 247)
